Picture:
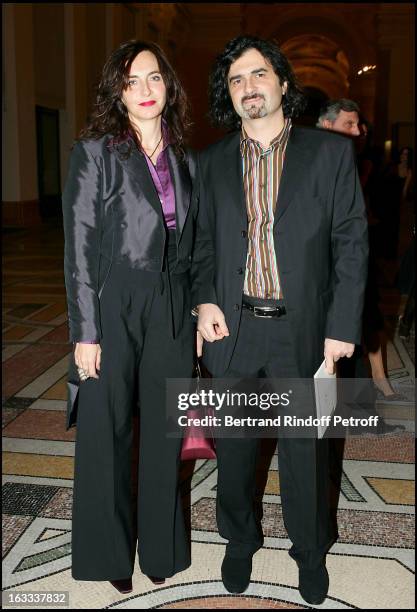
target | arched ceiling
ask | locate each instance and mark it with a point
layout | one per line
(319, 62)
(352, 33)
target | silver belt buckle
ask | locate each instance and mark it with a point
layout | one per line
(263, 309)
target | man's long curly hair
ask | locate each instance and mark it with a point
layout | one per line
(109, 114)
(222, 112)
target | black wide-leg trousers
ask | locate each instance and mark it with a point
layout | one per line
(138, 354)
(264, 349)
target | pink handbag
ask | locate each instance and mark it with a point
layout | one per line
(194, 445)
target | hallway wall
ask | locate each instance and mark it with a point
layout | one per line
(54, 53)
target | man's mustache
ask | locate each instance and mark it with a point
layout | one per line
(252, 96)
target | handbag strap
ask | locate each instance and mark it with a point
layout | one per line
(198, 369)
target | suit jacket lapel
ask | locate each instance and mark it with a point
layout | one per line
(296, 163)
(137, 167)
(234, 175)
(182, 188)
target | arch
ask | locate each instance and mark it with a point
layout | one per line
(349, 40)
(319, 62)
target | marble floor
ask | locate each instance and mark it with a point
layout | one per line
(370, 566)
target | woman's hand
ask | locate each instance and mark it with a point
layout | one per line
(211, 322)
(88, 357)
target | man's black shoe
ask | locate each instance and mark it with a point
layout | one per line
(313, 584)
(123, 586)
(236, 573)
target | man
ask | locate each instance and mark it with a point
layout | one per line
(279, 266)
(340, 116)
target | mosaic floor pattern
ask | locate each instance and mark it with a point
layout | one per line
(370, 566)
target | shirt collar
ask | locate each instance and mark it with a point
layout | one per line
(166, 135)
(279, 141)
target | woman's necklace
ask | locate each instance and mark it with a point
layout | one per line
(153, 152)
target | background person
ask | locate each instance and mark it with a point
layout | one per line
(340, 116)
(393, 188)
(343, 116)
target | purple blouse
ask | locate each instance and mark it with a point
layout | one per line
(161, 177)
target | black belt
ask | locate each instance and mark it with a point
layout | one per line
(265, 311)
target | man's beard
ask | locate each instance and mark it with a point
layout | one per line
(255, 111)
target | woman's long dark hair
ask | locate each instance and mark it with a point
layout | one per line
(109, 115)
(222, 112)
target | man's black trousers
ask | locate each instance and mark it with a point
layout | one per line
(264, 349)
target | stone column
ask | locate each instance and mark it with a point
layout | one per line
(20, 205)
(395, 69)
(76, 103)
(114, 27)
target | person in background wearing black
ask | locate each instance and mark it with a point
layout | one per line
(394, 185)
(406, 285)
(347, 120)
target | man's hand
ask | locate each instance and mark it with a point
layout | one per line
(211, 322)
(334, 350)
(200, 341)
(88, 357)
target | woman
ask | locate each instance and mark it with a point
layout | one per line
(395, 185)
(128, 219)
(373, 320)
(406, 284)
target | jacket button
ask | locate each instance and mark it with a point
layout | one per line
(244, 233)
(236, 307)
(240, 270)
(123, 225)
(121, 192)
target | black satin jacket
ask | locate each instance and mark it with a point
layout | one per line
(112, 213)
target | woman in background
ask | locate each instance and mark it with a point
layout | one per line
(374, 339)
(394, 186)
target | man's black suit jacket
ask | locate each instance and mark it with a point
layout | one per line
(320, 235)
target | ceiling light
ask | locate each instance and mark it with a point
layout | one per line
(366, 69)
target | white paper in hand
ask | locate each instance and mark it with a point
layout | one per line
(325, 387)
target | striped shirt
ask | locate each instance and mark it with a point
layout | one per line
(262, 169)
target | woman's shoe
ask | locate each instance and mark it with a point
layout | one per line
(123, 586)
(156, 580)
(403, 329)
(392, 397)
